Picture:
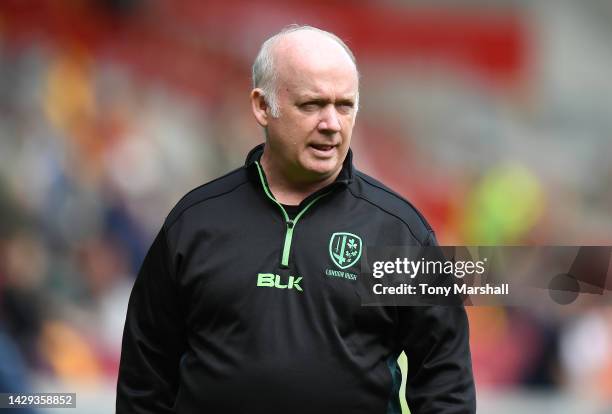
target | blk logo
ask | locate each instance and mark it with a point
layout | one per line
(275, 281)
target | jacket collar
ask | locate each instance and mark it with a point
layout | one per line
(346, 173)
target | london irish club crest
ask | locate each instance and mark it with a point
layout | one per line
(344, 249)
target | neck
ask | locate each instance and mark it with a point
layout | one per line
(288, 190)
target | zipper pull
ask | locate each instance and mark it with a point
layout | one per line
(287, 244)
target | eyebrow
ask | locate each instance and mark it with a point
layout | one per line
(317, 98)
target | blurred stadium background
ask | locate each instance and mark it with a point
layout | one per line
(493, 117)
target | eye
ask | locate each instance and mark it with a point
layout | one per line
(345, 107)
(311, 106)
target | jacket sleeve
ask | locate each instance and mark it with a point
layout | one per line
(153, 338)
(436, 342)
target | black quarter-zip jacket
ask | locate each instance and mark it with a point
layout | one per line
(237, 308)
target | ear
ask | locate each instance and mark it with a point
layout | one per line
(259, 107)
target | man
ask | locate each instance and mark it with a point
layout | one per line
(238, 307)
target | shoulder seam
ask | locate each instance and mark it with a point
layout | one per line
(210, 182)
(388, 212)
(423, 220)
(179, 214)
(169, 225)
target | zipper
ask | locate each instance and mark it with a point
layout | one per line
(289, 224)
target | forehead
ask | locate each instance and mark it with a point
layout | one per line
(319, 82)
(314, 64)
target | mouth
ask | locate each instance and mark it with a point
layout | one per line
(323, 149)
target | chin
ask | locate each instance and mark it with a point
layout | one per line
(321, 168)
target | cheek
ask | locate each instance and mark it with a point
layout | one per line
(294, 130)
(282, 130)
(287, 122)
(351, 118)
(347, 126)
(301, 129)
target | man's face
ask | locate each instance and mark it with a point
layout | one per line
(316, 96)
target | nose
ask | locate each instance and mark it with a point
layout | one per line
(330, 121)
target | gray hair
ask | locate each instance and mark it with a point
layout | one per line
(265, 75)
